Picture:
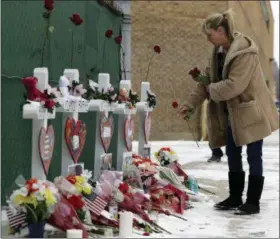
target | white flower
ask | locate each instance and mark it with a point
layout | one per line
(39, 196)
(35, 186)
(24, 191)
(93, 85)
(87, 174)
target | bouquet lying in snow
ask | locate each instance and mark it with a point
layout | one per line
(72, 188)
(168, 158)
(111, 187)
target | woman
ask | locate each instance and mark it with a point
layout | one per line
(241, 110)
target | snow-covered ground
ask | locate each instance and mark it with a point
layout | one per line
(203, 220)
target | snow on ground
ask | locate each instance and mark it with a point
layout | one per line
(203, 220)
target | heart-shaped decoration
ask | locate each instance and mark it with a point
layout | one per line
(147, 126)
(128, 133)
(75, 137)
(106, 130)
(46, 145)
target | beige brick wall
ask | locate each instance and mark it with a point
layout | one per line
(175, 26)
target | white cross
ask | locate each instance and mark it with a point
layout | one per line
(40, 116)
(143, 109)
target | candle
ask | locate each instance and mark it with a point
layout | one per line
(74, 233)
(145, 86)
(103, 82)
(126, 223)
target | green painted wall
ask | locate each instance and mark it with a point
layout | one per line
(23, 29)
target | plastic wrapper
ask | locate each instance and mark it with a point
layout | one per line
(65, 217)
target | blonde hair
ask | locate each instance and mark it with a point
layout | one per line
(217, 20)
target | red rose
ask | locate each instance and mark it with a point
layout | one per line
(195, 72)
(76, 201)
(118, 39)
(157, 49)
(109, 33)
(166, 149)
(175, 104)
(123, 187)
(49, 104)
(48, 4)
(76, 19)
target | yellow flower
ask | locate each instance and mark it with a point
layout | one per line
(79, 187)
(19, 199)
(87, 189)
(80, 180)
(50, 198)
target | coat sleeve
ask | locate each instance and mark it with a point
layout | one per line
(239, 77)
(197, 96)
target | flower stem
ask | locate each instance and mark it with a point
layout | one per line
(72, 48)
(33, 213)
(45, 40)
(123, 62)
(149, 66)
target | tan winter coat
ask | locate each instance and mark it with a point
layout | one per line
(252, 111)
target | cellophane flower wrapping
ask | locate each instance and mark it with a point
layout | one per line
(168, 196)
(65, 217)
(71, 188)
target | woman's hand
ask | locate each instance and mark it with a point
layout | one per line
(185, 111)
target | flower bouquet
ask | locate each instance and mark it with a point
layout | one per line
(93, 93)
(73, 188)
(147, 169)
(37, 200)
(128, 199)
(65, 217)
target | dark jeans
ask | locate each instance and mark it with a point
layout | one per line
(254, 156)
(217, 152)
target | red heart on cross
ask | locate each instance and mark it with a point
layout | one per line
(75, 137)
(46, 145)
(128, 133)
(106, 131)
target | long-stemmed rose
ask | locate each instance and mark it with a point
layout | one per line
(49, 6)
(118, 40)
(77, 21)
(198, 77)
(189, 112)
(157, 50)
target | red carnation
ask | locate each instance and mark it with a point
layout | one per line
(118, 39)
(48, 4)
(123, 187)
(157, 49)
(76, 19)
(175, 104)
(76, 201)
(109, 33)
(49, 104)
